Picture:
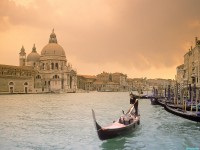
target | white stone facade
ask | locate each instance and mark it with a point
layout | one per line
(39, 73)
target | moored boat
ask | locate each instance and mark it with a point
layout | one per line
(161, 102)
(188, 107)
(193, 116)
(154, 101)
(125, 124)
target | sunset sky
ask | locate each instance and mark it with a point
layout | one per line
(140, 38)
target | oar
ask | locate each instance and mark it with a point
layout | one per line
(130, 110)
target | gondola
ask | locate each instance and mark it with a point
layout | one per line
(180, 106)
(154, 101)
(193, 116)
(161, 102)
(119, 127)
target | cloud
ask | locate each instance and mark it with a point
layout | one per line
(140, 34)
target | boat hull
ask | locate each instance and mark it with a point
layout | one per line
(161, 102)
(154, 101)
(184, 114)
(105, 134)
(116, 129)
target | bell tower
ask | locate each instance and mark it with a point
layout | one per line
(22, 57)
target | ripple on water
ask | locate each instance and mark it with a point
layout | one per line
(64, 121)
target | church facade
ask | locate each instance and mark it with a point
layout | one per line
(39, 73)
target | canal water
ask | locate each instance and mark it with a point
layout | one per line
(64, 121)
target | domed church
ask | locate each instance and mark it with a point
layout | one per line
(37, 73)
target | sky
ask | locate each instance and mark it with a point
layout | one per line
(140, 38)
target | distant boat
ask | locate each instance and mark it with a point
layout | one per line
(125, 124)
(193, 116)
(154, 101)
(161, 102)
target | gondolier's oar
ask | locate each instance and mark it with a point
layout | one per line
(130, 110)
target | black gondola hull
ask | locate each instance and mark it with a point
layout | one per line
(108, 133)
(183, 114)
(161, 102)
(154, 101)
(105, 134)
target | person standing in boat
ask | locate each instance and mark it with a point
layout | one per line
(134, 101)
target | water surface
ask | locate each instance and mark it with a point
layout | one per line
(64, 121)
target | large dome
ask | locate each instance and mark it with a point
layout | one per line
(53, 49)
(33, 56)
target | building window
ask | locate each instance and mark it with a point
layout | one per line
(25, 83)
(52, 65)
(56, 65)
(11, 83)
(38, 77)
(55, 77)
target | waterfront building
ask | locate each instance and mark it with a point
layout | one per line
(191, 64)
(188, 74)
(180, 73)
(15, 79)
(104, 77)
(47, 72)
(86, 82)
(103, 82)
(111, 82)
(121, 79)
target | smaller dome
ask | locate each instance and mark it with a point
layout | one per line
(33, 56)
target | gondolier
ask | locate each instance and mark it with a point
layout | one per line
(134, 101)
(124, 125)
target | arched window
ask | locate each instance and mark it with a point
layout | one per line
(25, 83)
(38, 77)
(11, 87)
(55, 77)
(11, 83)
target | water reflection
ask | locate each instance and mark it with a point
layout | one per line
(123, 142)
(118, 143)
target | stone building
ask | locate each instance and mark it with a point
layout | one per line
(111, 82)
(188, 74)
(180, 73)
(86, 82)
(191, 64)
(45, 72)
(104, 77)
(15, 79)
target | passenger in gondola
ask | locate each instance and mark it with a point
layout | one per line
(134, 101)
